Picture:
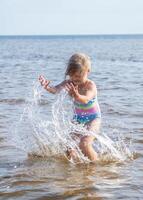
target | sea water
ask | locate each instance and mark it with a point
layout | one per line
(35, 122)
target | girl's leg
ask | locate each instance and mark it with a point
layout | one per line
(86, 141)
(87, 148)
(94, 125)
(71, 153)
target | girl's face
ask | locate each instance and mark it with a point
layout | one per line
(78, 78)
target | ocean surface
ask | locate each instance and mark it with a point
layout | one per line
(117, 69)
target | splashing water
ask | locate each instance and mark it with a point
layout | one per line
(38, 136)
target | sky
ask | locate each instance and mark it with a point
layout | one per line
(67, 17)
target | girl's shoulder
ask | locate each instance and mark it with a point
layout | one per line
(91, 84)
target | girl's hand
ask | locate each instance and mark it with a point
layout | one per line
(72, 90)
(42, 80)
(45, 83)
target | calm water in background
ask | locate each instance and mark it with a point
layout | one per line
(117, 69)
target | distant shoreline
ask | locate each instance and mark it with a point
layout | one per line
(98, 36)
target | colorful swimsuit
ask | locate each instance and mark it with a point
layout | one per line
(87, 112)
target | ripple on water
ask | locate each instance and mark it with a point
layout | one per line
(13, 101)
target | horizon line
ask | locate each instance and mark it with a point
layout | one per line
(107, 34)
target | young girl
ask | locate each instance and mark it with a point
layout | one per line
(84, 93)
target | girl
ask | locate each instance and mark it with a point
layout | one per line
(84, 93)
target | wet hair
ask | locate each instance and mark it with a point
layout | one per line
(78, 62)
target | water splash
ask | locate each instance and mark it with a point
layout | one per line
(38, 136)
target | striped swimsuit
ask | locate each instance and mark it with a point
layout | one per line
(87, 112)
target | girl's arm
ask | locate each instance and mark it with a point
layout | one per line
(52, 89)
(90, 93)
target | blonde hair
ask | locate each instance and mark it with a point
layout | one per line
(78, 62)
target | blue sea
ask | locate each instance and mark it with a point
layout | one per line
(117, 69)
